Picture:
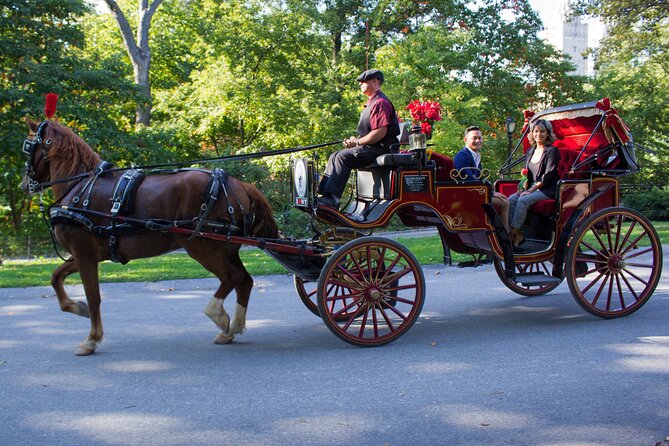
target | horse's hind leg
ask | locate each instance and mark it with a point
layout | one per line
(231, 274)
(88, 270)
(66, 304)
(243, 290)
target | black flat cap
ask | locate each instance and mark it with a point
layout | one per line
(370, 74)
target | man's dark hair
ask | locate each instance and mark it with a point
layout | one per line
(471, 128)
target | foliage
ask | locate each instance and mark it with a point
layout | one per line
(246, 75)
(653, 204)
(42, 43)
(633, 69)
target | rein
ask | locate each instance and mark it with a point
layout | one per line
(34, 186)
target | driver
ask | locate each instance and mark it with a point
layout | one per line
(377, 131)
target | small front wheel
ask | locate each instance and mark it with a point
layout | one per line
(614, 262)
(371, 291)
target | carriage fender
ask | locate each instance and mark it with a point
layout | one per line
(569, 228)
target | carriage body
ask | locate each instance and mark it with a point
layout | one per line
(610, 256)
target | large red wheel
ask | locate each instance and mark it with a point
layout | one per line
(545, 267)
(371, 291)
(623, 255)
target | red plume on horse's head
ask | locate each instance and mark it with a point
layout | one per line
(50, 106)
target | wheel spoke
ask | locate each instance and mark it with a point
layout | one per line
(400, 288)
(601, 243)
(363, 322)
(601, 287)
(634, 243)
(629, 287)
(352, 318)
(592, 248)
(590, 260)
(635, 276)
(391, 327)
(348, 273)
(609, 295)
(585, 290)
(620, 291)
(608, 236)
(598, 269)
(395, 277)
(628, 234)
(389, 268)
(397, 312)
(639, 253)
(619, 227)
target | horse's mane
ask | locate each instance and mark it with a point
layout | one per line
(69, 154)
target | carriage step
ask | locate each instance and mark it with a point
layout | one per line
(536, 279)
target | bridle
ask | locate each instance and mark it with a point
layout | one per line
(29, 147)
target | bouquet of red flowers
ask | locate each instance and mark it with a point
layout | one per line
(522, 186)
(425, 114)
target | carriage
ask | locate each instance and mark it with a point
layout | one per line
(369, 290)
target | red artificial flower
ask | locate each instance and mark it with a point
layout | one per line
(426, 128)
(524, 172)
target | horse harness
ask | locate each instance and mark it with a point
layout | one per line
(123, 203)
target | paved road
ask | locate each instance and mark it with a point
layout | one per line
(482, 366)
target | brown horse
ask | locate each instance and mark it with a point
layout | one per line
(58, 156)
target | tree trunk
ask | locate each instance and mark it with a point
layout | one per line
(139, 53)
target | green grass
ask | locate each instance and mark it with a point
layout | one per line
(427, 250)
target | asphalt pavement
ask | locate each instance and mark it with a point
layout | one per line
(481, 366)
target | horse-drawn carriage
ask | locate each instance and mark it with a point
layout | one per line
(370, 290)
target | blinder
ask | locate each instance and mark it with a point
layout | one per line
(29, 146)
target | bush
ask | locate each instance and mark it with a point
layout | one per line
(654, 204)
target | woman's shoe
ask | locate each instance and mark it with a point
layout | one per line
(517, 236)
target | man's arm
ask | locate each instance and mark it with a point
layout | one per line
(372, 137)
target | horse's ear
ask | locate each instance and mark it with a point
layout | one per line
(32, 125)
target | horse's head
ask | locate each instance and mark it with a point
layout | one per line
(36, 147)
(54, 153)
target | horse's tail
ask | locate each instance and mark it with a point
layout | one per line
(264, 224)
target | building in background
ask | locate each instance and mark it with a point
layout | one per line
(569, 34)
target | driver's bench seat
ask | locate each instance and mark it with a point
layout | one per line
(376, 181)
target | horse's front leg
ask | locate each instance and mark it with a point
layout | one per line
(57, 282)
(243, 290)
(88, 270)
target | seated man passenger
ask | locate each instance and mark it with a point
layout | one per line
(468, 163)
(541, 162)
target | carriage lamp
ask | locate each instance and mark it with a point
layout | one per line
(510, 125)
(417, 140)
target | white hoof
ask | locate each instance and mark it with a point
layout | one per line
(224, 338)
(87, 347)
(217, 314)
(238, 325)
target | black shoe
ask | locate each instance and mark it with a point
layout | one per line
(327, 200)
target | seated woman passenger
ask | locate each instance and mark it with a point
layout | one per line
(541, 162)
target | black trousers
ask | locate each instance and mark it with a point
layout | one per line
(342, 162)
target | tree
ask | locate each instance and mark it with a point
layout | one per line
(139, 52)
(633, 69)
(42, 42)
